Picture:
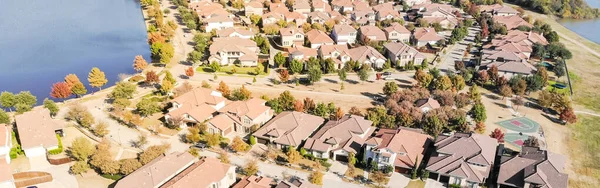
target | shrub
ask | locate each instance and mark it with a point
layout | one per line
(324, 163)
(252, 140)
(112, 177)
(137, 78)
(59, 149)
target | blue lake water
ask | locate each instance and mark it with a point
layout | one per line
(586, 28)
(42, 41)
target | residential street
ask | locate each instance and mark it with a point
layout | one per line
(456, 52)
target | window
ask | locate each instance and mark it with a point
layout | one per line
(298, 36)
(247, 121)
(385, 159)
(457, 180)
(394, 34)
(352, 34)
(286, 43)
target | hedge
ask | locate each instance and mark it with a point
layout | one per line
(59, 149)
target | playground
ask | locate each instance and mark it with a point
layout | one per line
(520, 125)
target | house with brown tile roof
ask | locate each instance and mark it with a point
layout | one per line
(401, 54)
(401, 148)
(227, 50)
(511, 22)
(37, 132)
(218, 22)
(278, 7)
(296, 183)
(291, 36)
(364, 17)
(320, 6)
(6, 174)
(288, 128)
(220, 124)
(316, 38)
(5, 142)
(434, 9)
(387, 14)
(447, 22)
(498, 10)
(158, 171)
(207, 9)
(254, 182)
(367, 55)
(318, 17)
(295, 17)
(302, 53)
(509, 69)
(533, 168)
(427, 104)
(272, 18)
(370, 33)
(337, 138)
(342, 5)
(383, 6)
(344, 34)
(416, 2)
(236, 32)
(207, 172)
(462, 158)
(195, 106)
(339, 53)
(422, 36)
(398, 33)
(301, 6)
(245, 114)
(254, 8)
(519, 42)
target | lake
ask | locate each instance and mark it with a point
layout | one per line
(586, 28)
(42, 41)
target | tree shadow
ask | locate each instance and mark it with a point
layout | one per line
(501, 105)
(331, 81)
(352, 81)
(492, 96)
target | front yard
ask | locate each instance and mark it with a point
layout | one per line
(230, 70)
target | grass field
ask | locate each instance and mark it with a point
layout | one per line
(585, 144)
(416, 184)
(228, 70)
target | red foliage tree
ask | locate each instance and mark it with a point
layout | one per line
(483, 77)
(493, 73)
(61, 90)
(498, 135)
(189, 72)
(568, 115)
(151, 77)
(284, 75)
(299, 106)
(484, 30)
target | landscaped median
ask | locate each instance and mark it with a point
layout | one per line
(233, 69)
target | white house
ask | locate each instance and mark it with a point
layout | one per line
(5, 142)
(402, 148)
(230, 50)
(344, 34)
(218, 22)
(195, 106)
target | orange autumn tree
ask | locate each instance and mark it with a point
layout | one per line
(60, 90)
(189, 72)
(139, 63)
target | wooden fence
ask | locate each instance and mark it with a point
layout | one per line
(24, 179)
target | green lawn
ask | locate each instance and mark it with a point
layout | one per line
(228, 70)
(416, 184)
(584, 146)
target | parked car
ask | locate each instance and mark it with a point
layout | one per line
(200, 146)
(387, 76)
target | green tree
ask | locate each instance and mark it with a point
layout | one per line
(152, 153)
(212, 139)
(51, 106)
(4, 117)
(166, 53)
(314, 74)
(195, 56)
(363, 73)
(321, 110)
(296, 66)
(170, 78)
(7, 100)
(279, 59)
(78, 89)
(24, 101)
(458, 82)
(479, 113)
(81, 149)
(433, 125)
(351, 159)
(442, 83)
(215, 66)
(147, 107)
(342, 74)
(124, 90)
(286, 100)
(238, 145)
(390, 88)
(255, 19)
(241, 94)
(474, 94)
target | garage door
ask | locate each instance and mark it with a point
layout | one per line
(262, 141)
(341, 158)
(402, 170)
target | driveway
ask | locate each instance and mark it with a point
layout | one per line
(38, 163)
(61, 177)
(398, 180)
(338, 167)
(433, 184)
(457, 51)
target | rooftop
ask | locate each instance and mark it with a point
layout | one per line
(36, 128)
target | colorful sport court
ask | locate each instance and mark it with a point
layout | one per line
(515, 139)
(520, 124)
